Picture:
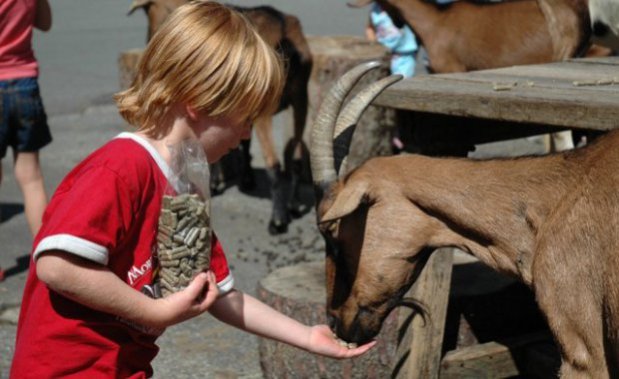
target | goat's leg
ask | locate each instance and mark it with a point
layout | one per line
(279, 216)
(577, 330)
(565, 293)
(297, 150)
(247, 180)
(217, 180)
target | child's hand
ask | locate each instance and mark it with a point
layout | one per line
(324, 342)
(194, 300)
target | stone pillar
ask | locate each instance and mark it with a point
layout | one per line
(127, 66)
(299, 291)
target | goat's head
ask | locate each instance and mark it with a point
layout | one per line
(157, 12)
(371, 260)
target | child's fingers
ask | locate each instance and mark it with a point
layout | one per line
(194, 289)
(360, 350)
(212, 290)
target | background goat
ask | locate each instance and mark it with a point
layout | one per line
(467, 36)
(284, 33)
(551, 221)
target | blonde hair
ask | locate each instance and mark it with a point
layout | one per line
(210, 57)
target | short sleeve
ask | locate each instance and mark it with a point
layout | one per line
(88, 216)
(219, 266)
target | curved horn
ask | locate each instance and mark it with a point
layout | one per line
(321, 151)
(138, 4)
(350, 115)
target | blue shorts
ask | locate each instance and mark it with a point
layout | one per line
(23, 122)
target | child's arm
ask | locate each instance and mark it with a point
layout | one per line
(370, 32)
(43, 16)
(247, 313)
(97, 287)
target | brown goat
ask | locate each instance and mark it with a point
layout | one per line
(467, 36)
(552, 221)
(284, 33)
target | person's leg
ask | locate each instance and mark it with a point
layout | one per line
(30, 122)
(1, 270)
(29, 177)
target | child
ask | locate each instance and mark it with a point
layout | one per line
(23, 123)
(400, 40)
(205, 76)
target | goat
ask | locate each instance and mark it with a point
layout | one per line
(552, 221)
(467, 36)
(284, 33)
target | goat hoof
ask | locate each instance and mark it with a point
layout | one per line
(277, 227)
(217, 188)
(247, 182)
(297, 209)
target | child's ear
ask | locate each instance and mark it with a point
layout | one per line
(191, 112)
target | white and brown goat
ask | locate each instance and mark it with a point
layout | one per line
(552, 221)
(284, 33)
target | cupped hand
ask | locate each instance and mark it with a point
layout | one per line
(192, 301)
(324, 342)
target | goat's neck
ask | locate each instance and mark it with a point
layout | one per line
(494, 209)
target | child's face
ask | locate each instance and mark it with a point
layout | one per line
(220, 135)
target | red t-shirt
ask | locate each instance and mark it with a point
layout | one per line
(16, 56)
(105, 210)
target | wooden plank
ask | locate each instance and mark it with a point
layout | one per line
(445, 94)
(569, 71)
(426, 335)
(496, 359)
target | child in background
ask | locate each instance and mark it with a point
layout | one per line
(400, 40)
(23, 123)
(402, 44)
(205, 76)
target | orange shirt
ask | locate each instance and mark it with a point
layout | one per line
(16, 56)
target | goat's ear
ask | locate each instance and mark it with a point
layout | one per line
(136, 4)
(346, 201)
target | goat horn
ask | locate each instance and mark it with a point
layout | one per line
(137, 4)
(349, 118)
(321, 152)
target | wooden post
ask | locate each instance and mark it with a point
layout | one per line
(128, 66)
(420, 349)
